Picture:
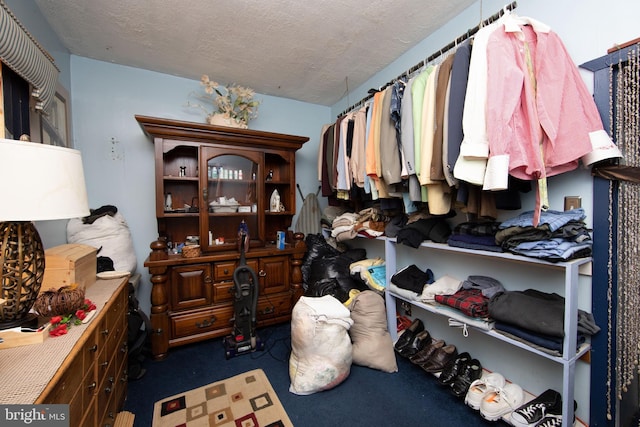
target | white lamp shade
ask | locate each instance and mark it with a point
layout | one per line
(40, 182)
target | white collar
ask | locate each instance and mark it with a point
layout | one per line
(514, 23)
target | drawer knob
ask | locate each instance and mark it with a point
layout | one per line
(93, 348)
(226, 271)
(268, 310)
(104, 364)
(105, 332)
(92, 385)
(262, 273)
(207, 322)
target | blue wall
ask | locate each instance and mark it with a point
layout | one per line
(105, 97)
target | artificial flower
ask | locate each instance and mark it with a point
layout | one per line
(59, 329)
(61, 324)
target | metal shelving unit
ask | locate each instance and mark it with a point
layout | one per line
(571, 270)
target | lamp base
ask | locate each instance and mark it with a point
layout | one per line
(28, 321)
(22, 260)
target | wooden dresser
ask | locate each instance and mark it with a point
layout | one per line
(86, 368)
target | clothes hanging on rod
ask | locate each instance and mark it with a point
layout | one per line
(471, 32)
(504, 143)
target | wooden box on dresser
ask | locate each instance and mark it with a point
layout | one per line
(217, 178)
(86, 368)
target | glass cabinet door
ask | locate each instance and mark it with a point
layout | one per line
(231, 197)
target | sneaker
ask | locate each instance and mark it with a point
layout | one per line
(501, 401)
(555, 419)
(487, 383)
(550, 421)
(530, 414)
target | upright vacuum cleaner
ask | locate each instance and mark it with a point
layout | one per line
(245, 289)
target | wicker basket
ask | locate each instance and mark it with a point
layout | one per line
(191, 251)
(63, 301)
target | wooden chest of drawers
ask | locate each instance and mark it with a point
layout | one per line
(93, 377)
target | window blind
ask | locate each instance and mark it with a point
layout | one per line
(24, 55)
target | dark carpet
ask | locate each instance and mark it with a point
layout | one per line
(366, 398)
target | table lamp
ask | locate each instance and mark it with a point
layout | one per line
(37, 182)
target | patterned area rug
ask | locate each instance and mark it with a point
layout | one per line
(246, 400)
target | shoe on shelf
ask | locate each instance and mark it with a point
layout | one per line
(440, 358)
(501, 401)
(451, 371)
(550, 421)
(470, 372)
(530, 414)
(487, 383)
(419, 342)
(423, 356)
(554, 419)
(407, 336)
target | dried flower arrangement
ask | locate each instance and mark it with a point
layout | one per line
(233, 102)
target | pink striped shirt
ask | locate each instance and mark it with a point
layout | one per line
(541, 117)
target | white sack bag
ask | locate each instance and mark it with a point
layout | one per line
(321, 351)
(111, 233)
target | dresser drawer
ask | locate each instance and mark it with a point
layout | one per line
(76, 405)
(106, 387)
(87, 393)
(222, 292)
(90, 408)
(90, 351)
(223, 271)
(201, 321)
(67, 385)
(274, 306)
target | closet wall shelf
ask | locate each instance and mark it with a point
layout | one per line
(582, 263)
(443, 311)
(569, 269)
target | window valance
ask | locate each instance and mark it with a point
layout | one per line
(24, 55)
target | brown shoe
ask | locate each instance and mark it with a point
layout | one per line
(424, 355)
(440, 358)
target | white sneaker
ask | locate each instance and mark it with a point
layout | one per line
(487, 383)
(501, 401)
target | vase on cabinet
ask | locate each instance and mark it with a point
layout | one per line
(217, 119)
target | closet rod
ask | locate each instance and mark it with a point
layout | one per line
(470, 32)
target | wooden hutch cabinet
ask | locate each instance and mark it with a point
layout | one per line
(209, 179)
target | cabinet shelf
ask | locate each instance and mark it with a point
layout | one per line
(225, 214)
(174, 214)
(237, 181)
(285, 213)
(181, 178)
